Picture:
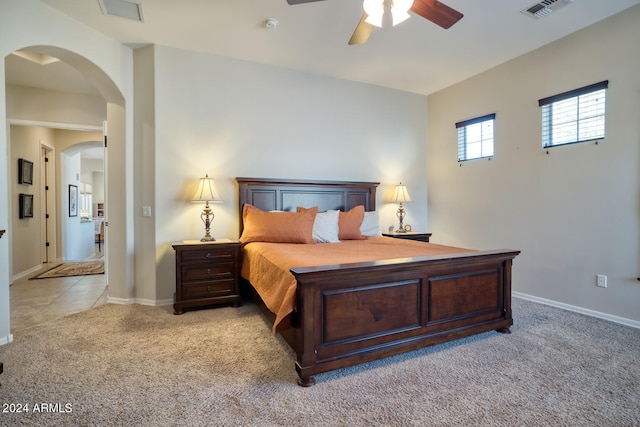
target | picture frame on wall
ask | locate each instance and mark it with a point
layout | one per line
(25, 172)
(73, 200)
(26, 206)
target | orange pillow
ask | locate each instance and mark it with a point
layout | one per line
(277, 227)
(349, 224)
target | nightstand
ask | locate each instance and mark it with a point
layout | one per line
(207, 273)
(410, 235)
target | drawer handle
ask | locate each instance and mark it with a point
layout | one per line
(208, 271)
(208, 255)
(208, 288)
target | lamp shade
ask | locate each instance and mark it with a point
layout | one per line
(206, 191)
(401, 194)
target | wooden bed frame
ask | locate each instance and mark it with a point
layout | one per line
(349, 314)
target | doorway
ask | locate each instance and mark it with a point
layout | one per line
(48, 203)
(118, 262)
(44, 145)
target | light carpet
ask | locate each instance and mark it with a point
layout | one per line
(68, 269)
(140, 365)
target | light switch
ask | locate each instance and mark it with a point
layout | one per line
(146, 211)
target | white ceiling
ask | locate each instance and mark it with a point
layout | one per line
(416, 56)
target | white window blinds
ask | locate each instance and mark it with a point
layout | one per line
(574, 116)
(475, 138)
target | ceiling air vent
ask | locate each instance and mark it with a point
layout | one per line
(122, 8)
(545, 7)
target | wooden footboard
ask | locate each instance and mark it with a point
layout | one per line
(354, 313)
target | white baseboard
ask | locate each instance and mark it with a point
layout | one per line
(586, 311)
(6, 340)
(141, 301)
(154, 303)
(120, 301)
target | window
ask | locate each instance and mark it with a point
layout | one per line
(574, 116)
(475, 138)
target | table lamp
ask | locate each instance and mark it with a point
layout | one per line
(207, 193)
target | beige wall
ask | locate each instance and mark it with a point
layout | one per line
(229, 118)
(26, 233)
(573, 213)
(144, 175)
(24, 103)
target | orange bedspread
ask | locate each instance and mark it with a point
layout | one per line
(267, 265)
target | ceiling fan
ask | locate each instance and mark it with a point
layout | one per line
(432, 10)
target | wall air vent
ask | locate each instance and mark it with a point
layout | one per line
(545, 7)
(122, 8)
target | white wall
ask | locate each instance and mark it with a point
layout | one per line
(573, 213)
(229, 118)
(77, 236)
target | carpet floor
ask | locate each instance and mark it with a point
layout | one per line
(140, 365)
(68, 269)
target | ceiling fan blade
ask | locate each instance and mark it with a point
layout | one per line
(292, 2)
(362, 32)
(436, 12)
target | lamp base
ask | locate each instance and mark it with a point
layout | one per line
(208, 238)
(400, 230)
(207, 217)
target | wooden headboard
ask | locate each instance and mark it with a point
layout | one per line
(287, 194)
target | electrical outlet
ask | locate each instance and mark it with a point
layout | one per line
(601, 280)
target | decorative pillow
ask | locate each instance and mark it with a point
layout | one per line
(277, 227)
(325, 226)
(349, 224)
(370, 224)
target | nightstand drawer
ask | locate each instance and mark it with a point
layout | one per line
(208, 289)
(212, 271)
(207, 255)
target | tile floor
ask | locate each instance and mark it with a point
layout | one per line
(38, 301)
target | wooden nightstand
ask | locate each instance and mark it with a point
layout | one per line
(207, 273)
(411, 235)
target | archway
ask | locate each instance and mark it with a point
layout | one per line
(79, 232)
(116, 255)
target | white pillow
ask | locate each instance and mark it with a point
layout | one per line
(370, 225)
(325, 227)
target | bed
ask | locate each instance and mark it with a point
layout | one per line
(345, 314)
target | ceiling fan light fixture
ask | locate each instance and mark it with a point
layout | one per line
(375, 11)
(400, 10)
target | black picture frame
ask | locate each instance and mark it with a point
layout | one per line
(73, 200)
(26, 206)
(25, 172)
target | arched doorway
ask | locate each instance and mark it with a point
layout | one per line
(115, 112)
